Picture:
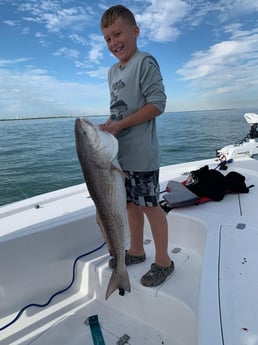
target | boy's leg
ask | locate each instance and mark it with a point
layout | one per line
(142, 190)
(159, 228)
(136, 224)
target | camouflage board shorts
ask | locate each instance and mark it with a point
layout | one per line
(142, 188)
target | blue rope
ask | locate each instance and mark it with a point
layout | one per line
(55, 294)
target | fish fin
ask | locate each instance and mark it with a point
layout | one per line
(118, 281)
(98, 220)
(113, 166)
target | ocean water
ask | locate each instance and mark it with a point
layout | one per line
(39, 155)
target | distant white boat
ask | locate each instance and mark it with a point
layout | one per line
(54, 269)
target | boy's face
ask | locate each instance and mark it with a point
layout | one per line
(121, 39)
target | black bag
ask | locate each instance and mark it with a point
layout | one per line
(213, 184)
(236, 183)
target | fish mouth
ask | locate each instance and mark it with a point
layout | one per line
(84, 119)
(82, 124)
(103, 143)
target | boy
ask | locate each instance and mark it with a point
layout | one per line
(137, 97)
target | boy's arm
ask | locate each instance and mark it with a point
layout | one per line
(146, 113)
(153, 90)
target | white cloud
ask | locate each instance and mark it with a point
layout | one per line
(164, 20)
(78, 39)
(10, 62)
(94, 56)
(75, 19)
(55, 17)
(158, 21)
(224, 62)
(40, 35)
(42, 39)
(25, 31)
(100, 72)
(97, 45)
(34, 92)
(67, 52)
(225, 66)
(10, 22)
(231, 8)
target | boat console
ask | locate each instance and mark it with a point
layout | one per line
(247, 148)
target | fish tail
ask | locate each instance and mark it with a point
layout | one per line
(118, 281)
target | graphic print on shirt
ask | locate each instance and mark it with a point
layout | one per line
(118, 106)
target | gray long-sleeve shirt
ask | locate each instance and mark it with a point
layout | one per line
(132, 86)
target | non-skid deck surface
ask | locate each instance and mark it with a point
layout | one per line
(238, 284)
(74, 331)
(147, 315)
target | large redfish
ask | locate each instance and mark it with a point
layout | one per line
(97, 153)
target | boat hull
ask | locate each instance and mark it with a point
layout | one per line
(44, 238)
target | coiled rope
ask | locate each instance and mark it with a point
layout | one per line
(55, 294)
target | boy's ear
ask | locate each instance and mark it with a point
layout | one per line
(136, 30)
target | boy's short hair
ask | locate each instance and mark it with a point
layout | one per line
(112, 13)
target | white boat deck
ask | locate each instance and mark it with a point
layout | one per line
(210, 295)
(132, 314)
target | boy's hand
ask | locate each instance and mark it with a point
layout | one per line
(110, 126)
(104, 125)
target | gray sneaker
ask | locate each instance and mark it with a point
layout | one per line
(157, 275)
(129, 260)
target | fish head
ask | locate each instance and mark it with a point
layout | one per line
(94, 145)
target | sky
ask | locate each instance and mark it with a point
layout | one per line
(54, 60)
